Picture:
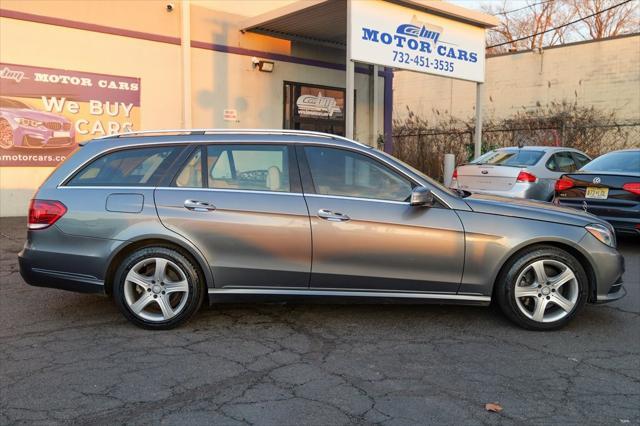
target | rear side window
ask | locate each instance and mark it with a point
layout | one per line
(129, 167)
(241, 167)
(562, 162)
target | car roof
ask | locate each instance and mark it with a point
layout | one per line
(227, 135)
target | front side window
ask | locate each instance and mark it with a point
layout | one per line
(581, 160)
(128, 167)
(344, 173)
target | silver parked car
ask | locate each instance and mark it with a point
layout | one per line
(528, 172)
(160, 221)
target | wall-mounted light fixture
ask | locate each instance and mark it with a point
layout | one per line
(264, 66)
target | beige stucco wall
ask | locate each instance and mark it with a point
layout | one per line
(604, 74)
(219, 80)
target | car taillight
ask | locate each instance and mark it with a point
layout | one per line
(526, 177)
(44, 213)
(563, 184)
(633, 187)
(455, 174)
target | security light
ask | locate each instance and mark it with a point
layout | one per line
(264, 66)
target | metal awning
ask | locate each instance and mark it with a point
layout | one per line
(324, 22)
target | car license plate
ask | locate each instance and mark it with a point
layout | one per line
(61, 134)
(597, 193)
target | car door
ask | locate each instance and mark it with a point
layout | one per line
(242, 206)
(366, 236)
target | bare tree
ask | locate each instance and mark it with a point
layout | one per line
(541, 23)
(606, 23)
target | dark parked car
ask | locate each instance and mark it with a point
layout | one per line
(162, 220)
(24, 127)
(609, 187)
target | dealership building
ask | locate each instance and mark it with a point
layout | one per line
(74, 70)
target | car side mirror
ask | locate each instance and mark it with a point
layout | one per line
(421, 196)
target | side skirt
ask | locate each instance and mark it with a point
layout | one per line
(220, 295)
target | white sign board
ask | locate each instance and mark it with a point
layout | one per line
(230, 115)
(387, 34)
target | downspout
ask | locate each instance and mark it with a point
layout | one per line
(185, 46)
(388, 110)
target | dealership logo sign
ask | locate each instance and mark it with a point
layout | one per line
(421, 37)
(420, 30)
(8, 74)
(318, 106)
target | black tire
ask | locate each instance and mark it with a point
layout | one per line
(506, 282)
(194, 279)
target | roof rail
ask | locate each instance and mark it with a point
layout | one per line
(229, 131)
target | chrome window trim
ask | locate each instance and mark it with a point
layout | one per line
(355, 293)
(346, 197)
(247, 191)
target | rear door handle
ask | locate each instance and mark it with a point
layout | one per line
(199, 206)
(332, 216)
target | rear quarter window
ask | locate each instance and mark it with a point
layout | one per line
(127, 167)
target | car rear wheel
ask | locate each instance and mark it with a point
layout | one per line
(542, 289)
(157, 288)
(6, 134)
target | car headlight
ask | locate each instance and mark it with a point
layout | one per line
(603, 233)
(28, 122)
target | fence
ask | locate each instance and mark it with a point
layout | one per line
(424, 148)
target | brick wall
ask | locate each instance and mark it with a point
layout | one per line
(604, 74)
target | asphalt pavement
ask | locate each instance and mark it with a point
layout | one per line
(72, 358)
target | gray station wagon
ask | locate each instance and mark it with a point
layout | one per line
(161, 220)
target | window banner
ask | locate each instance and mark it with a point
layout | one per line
(46, 112)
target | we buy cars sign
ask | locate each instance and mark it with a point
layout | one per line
(388, 34)
(45, 112)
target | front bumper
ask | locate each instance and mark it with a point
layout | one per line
(26, 137)
(608, 268)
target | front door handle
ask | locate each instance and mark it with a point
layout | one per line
(199, 206)
(332, 216)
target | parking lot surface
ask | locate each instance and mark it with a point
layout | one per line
(67, 357)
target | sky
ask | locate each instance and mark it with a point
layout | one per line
(477, 4)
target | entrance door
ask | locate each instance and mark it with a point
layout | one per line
(366, 236)
(314, 108)
(246, 213)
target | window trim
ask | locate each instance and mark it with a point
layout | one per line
(308, 181)
(156, 179)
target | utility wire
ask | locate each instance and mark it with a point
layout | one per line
(523, 8)
(560, 26)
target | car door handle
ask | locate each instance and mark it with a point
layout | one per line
(332, 216)
(199, 206)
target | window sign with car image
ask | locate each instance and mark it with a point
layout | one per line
(46, 112)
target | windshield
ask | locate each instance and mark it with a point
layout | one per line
(510, 157)
(419, 173)
(621, 161)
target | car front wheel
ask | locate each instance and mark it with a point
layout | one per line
(542, 289)
(157, 288)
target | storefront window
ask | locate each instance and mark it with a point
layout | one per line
(316, 108)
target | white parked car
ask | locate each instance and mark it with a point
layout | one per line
(528, 172)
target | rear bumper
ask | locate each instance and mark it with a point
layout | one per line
(40, 277)
(51, 258)
(519, 190)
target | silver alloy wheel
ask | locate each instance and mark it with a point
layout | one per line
(156, 289)
(546, 290)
